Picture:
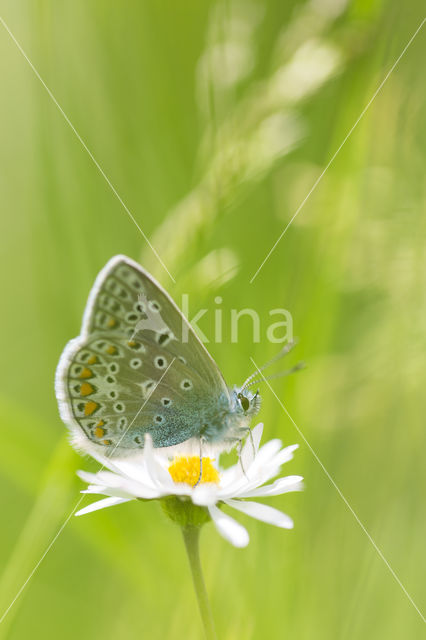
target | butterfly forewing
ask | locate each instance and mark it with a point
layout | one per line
(137, 367)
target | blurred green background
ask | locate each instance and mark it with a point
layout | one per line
(213, 120)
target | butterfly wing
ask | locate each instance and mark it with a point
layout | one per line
(137, 368)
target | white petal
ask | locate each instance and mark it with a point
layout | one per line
(272, 445)
(159, 475)
(101, 504)
(90, 478)
(237, 477)
(244, 486)
(238, 485)
(205, 494)
(231, 475)
(284, 455)
(282, 485)
(103, 478)
(263, 512)
(181, 489)
(135, 468)
(104, 461)
(110, 480)
(265, 466)
(263, 458)
(245, 483)
(108, 491)
(231, 530)
(263, 470)
(257, 432)
(95, 488)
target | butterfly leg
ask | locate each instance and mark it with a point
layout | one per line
(240, 459)
(201, 464)
(252, 442)
(240, 448)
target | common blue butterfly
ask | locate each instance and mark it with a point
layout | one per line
(138, 368)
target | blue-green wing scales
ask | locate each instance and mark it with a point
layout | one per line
(137, 368)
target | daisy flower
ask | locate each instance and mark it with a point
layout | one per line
(153, 475)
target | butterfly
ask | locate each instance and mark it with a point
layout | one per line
(138, 368)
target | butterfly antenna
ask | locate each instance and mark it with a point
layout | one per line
(276, 357)
(281, 374)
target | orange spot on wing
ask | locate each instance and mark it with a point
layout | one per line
(90, 407)
(86, 389)
(92, 360)
(86, 373)
(107, 441)
(99, 432)
(111, 350)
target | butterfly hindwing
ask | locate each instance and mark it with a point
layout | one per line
(137, 367)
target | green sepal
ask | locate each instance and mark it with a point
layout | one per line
(184, 512)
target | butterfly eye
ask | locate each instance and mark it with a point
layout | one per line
(244, 402)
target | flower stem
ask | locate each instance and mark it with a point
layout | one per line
(191, 536)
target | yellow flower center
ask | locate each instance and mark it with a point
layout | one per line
(187, 469)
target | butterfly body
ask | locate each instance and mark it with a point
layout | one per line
(138, 368)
